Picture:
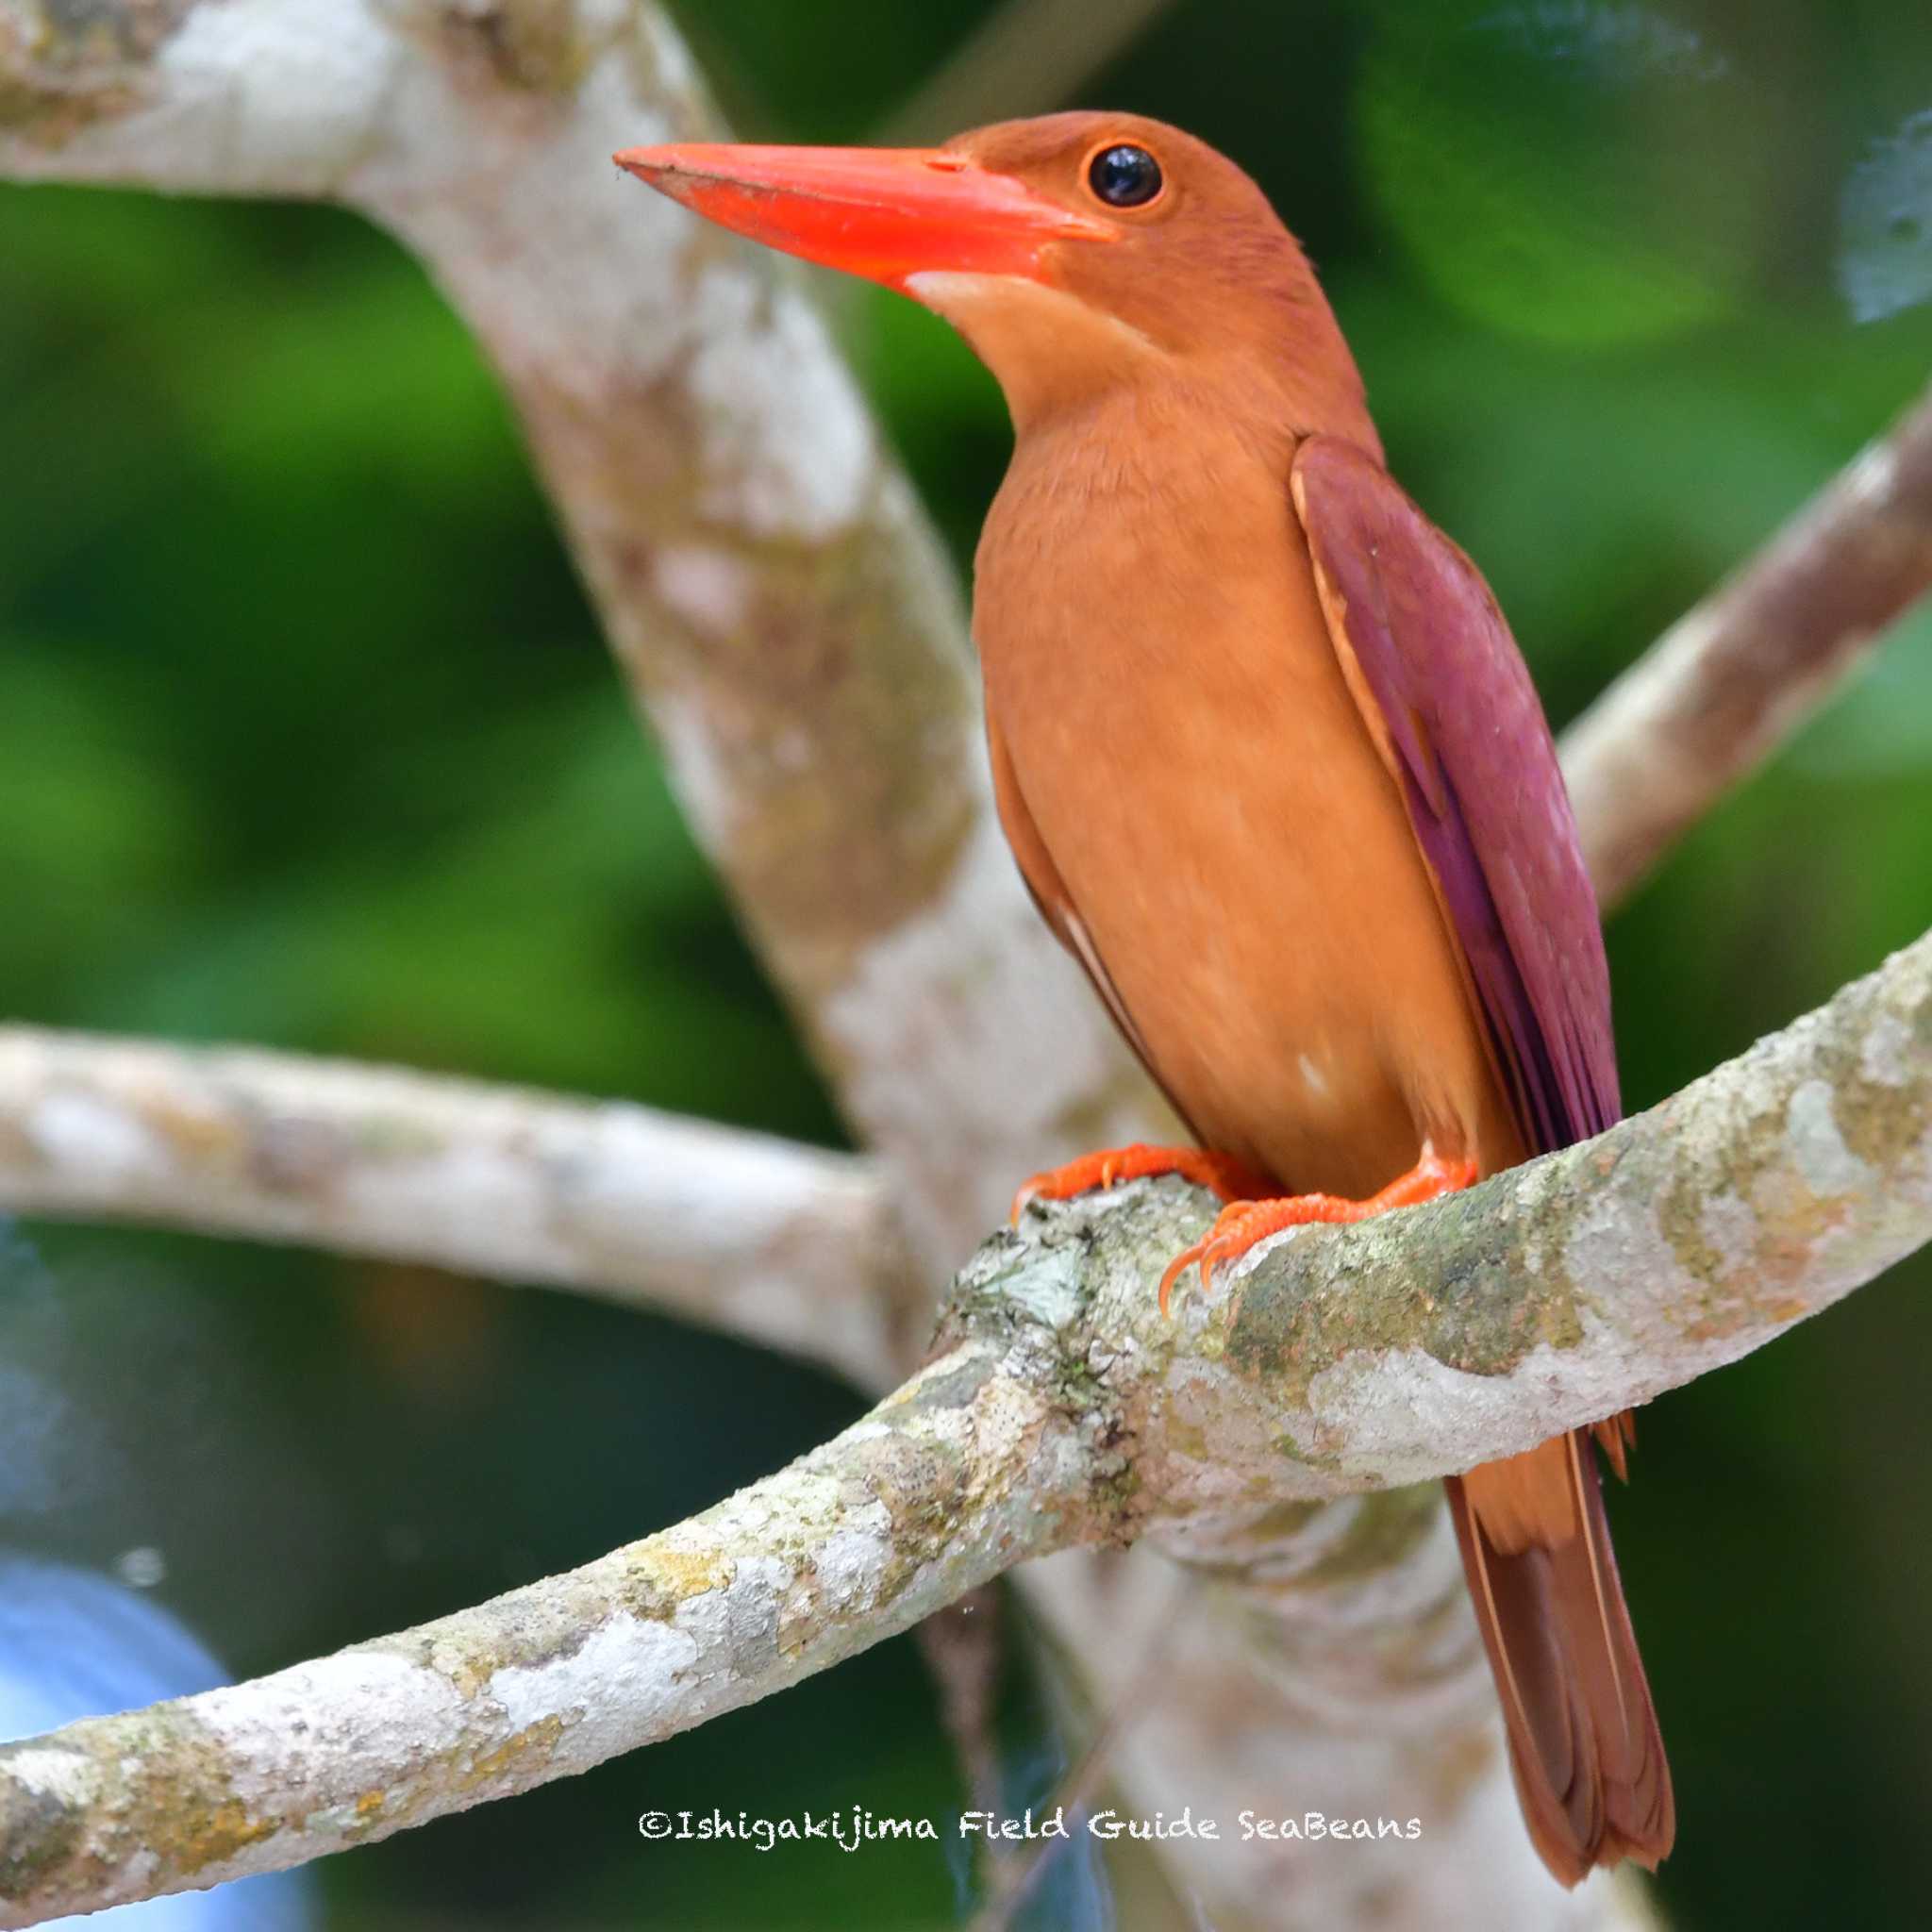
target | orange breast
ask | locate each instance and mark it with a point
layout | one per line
(1186, 753)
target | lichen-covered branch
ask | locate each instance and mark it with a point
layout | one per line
(1065, 1408)
(791, 1247)
(1551, 1296)
(937, 1490)
(1732, 678)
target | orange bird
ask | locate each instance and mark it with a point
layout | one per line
(1273, 767)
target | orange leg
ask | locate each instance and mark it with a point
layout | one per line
(1221, 1172)
(1242, 1224)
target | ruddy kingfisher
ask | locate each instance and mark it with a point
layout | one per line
(1273, 770)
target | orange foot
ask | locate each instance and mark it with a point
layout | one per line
(1221, 1172)
(1244, 1222)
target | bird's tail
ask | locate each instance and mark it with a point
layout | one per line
(1584, 1744)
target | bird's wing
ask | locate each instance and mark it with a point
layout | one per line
(1448, 700)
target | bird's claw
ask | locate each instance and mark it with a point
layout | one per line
(1243, 1224)
(1237, 1228)
(1220, 1172)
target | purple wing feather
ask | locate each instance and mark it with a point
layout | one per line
(1448, 697)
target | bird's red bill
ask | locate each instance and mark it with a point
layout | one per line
(885, 213)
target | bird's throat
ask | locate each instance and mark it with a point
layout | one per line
(1049, 350)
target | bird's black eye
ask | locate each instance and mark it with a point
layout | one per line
(1124, 176)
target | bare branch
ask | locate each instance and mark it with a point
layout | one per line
(1027, 58)
(939, 1488)
(1735, 676)
(1067, 1409)
(791, 1247)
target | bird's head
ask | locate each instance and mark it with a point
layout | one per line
(1073, 251)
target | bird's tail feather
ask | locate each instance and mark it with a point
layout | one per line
(1584, 1744)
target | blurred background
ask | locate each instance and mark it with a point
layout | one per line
(306, 738)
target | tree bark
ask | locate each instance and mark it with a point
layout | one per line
(1732, 679)
(791, 1248)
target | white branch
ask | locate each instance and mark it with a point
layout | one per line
(787, 1245)
(1065, 1408)
(933, 1492)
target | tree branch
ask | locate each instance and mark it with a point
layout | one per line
(934, 1491)
(1064, 1409)
(789, 1246)
(1734, 678)
(1557, 1293)
(1026, 58)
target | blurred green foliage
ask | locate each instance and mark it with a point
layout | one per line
(307, 737)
